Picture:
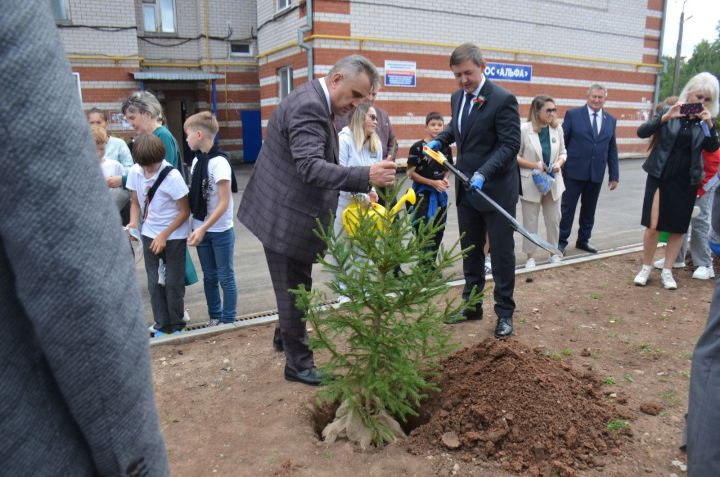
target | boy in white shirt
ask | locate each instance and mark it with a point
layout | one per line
(109, 167)
(164, 229)
(211, 204)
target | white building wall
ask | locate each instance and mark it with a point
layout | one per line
(223, 16)
(81, 40)
(609, 29)
(277, 28)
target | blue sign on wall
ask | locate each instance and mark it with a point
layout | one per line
(508, 72)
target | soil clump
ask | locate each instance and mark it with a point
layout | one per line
(502, 401)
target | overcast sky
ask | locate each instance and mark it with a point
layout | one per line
(705, 16)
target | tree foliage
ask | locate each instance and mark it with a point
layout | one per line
(705, 57)
(385, 343)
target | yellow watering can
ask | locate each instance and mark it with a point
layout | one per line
(374, 211)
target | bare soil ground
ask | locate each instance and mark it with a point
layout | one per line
(584, 335)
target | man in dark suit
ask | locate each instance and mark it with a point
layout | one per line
(296, 182)
(486, 129)
(590, 142)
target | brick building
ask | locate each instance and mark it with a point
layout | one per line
(561, 46)
(249, 54)
(185, 51)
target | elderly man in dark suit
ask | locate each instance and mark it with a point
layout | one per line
(76, 395)
(296, 182)
(485, 126)
(590, 142)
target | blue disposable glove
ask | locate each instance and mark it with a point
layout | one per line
(434, 145)
(477, 181)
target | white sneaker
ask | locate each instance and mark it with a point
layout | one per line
(530, 263)
(667, 280)
(704, 273)
(342, 299)
(555, 259)
(660, 264)
(186, 316)
(641, 278)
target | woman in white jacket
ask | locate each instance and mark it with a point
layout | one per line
(542, 148)
(359, 145)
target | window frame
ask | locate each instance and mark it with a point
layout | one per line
(249, 53)
(157, 7)
(282, 5)
(65, 7)
(285, 75)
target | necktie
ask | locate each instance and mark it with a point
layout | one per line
(466, 110)
(594, 126)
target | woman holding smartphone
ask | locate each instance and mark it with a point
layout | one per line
(675, 168)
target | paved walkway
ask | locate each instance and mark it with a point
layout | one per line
(617, 224)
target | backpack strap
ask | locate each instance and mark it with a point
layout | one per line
(151, 192)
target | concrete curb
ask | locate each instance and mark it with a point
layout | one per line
(255, 319)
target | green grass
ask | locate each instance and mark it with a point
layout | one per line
(670, 398)
(627, 377)
(553, 355)
(566, 352)
(609, 380)
(595, 296)
(617, 424)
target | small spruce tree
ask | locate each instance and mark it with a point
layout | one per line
(385, 342)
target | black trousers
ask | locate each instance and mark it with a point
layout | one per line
(588, 193)
(473, 226)
(286, 274)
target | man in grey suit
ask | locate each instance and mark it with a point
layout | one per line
(76, 395)
(296, 182)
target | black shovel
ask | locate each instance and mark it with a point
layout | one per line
(440, 158)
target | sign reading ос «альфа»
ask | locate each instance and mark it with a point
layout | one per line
(508, 72)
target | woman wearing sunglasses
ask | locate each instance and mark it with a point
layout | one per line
(675, 168)
(542, 151)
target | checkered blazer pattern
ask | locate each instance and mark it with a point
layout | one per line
(296, 178)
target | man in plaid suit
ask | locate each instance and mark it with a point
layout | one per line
(296, 182)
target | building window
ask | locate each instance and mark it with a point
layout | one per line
(283, 4)
(285, 81)
(61, 10)
(241, 49)
(159, 16)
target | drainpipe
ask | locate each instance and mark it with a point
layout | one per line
(301, 39)
(656, 99)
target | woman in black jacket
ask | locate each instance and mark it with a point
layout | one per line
(675, 168)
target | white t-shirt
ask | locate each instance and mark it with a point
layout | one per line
(163, 208)
(111, 168)
(218, 170)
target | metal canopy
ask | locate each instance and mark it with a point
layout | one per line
(176, 75)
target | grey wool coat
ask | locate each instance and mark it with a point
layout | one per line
(76, 393)
(296, 179)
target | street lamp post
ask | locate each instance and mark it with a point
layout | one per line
(678, 57)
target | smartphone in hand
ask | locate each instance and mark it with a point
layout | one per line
(691, 108)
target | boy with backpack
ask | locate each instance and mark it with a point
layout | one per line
(160, 198)
(211, 203)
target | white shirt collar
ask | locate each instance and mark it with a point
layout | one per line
(591, 112)
(327, 94)
(477, 91)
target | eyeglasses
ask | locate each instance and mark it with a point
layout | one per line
(372, 117)
(551, 110)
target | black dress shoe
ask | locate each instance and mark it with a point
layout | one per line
(585, 246)
(278, 345)
(466, 315)
(311, 376)
(504, 328)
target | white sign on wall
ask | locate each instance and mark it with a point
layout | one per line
(400, 73)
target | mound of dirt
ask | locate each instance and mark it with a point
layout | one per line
(533, 415)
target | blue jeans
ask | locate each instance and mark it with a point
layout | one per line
(216, 259)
